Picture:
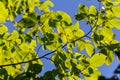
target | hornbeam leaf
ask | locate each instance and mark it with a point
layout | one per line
(83, 12)
(24, 46)
(95, 73)
(83, 8)
(107, 34)
(31, 6)
(109, 58)
(3, 29)
(89, 49)
(92, 11)
(116, 11)
(81, 45)
(3, 13)
(32, 44)
(65, 17)
(115, 23)
(97, 60)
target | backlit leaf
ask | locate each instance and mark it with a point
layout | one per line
(89, 49)
(115, 23)
(109, 58)
(116, 11)
(97, 60)
(3, 29)
(3, 12)
(107, 33)
(81, 45)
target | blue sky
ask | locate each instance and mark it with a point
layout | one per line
(71, 7)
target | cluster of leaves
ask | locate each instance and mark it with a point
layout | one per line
(56, 32)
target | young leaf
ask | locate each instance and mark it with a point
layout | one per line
(3, 12)
(81, 45)
(114, 23)
(83, 12)
(109, 58)
(116, 11)
(97, 60)
(3, 29)
(107, 33)
(89, 49)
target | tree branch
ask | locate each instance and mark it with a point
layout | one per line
(61, 46)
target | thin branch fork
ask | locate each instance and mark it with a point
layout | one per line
(61, 46)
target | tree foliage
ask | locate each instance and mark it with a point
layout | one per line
(75, 54)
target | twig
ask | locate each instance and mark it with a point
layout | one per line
(48, 59)
(32, 59)
(61, 46)
(25, 57)
(88, 37)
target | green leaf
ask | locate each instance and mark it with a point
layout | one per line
(34, 68)
(109, 58)
(39, 40)
(3, 29)
(92, 11)
(26, 23)
(80, 16)
(18, 41)
(95, 73)
(97, 60)
(25, 47)
(115, 23)
(45, 5)
(89, 49)
(16, 56)
(30, 67)
(3, 12)
(3, 74)
(65, 17)
(85, 62)
(31, 6)
(14, 35)
(32, 44)
(77, 32)
(107, 34)
(83, 12)
(81, 45)
(83, 8)
(49, 75)
(116, 11)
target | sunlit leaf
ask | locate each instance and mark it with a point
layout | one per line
(115, 23)
(83, 12)
(3, 29)
(107, 33)
(89, 49)
(97, 60)
(3, 12)
(92, 12)
(116, 11)
(109, 58)
(81, 45)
